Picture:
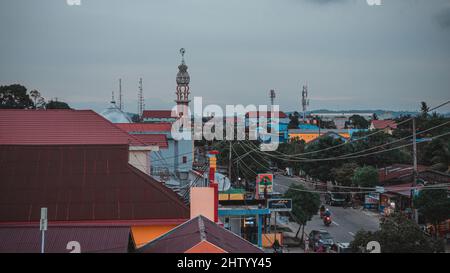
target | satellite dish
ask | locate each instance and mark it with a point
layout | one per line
(224, 182)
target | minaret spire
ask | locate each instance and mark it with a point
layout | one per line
(183, 80)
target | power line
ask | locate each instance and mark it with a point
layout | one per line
(349, 156)
(361, 138)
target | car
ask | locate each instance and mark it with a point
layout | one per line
(334, 199)
(343, 248)
(319, 238)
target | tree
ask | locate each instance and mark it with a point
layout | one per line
(304, 205)
(398, 234)
(434, 205)
(295, 146)
(366, 176)
(424, 109)
(38, 100)
(54, 104)
(344, 174)
(15, 97)
(294, 120)
(321, 169)
(369, 140)
(359, 122)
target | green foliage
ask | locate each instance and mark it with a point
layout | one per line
(322, 169)
(366, 176)
(295, 146)
(380, 159)
(304, 204)
(424, 109)
(38, 100)
(53, 104)
(247, 166)
(15, 97)
(398, 234)
(359, 122)
(434, 205)
(344, 174)
(294, 120)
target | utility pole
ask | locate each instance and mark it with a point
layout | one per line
(229, 162)
(43, 228)
(120, 95)
(414, 184)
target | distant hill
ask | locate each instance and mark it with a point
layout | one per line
(379, 112)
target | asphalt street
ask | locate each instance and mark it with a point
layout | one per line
(346, 221)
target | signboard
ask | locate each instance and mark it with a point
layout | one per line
(43, 222)
(279, 204)
(264, 182)
(379, 189)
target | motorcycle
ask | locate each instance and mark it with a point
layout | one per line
(327, 220)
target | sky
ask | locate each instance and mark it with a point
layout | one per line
(350, 54)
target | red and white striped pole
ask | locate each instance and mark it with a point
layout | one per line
(213, 183)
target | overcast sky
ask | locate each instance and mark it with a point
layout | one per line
(352, 55)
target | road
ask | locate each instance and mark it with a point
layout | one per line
(346, 222)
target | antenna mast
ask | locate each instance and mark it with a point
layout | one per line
(120, 95)
(272, 97)
(305, 101)
(140, 99)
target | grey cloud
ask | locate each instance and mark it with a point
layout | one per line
(443, 18)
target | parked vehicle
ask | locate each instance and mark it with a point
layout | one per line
(343, 248)
(335, 199)
(320, 238)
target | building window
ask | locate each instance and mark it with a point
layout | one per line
(184, 159)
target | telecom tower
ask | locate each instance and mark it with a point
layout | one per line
(305, 101)
(140, 99)
(272, 97)
(120, 95)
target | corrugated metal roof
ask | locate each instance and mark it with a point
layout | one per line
(145, 127)
(80, 183)
(267, 114)
(157, 114)
(198, 229)
(153, 139)
(59, 127)
(91, 239)
(382, 124)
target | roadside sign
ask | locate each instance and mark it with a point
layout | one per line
(281, 204)
(43, 222)
(379, 189)
(264, 182)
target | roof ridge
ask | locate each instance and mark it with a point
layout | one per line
(201, 228)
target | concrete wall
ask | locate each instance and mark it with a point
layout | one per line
(140, 160)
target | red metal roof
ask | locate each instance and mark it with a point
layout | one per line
(59, 127)
(153, 139)
(267, 114)
(144, 127)
(91, 239)
(397, 172)
(158, 114)
(80, 183)
(200, 228)
(382, 124)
